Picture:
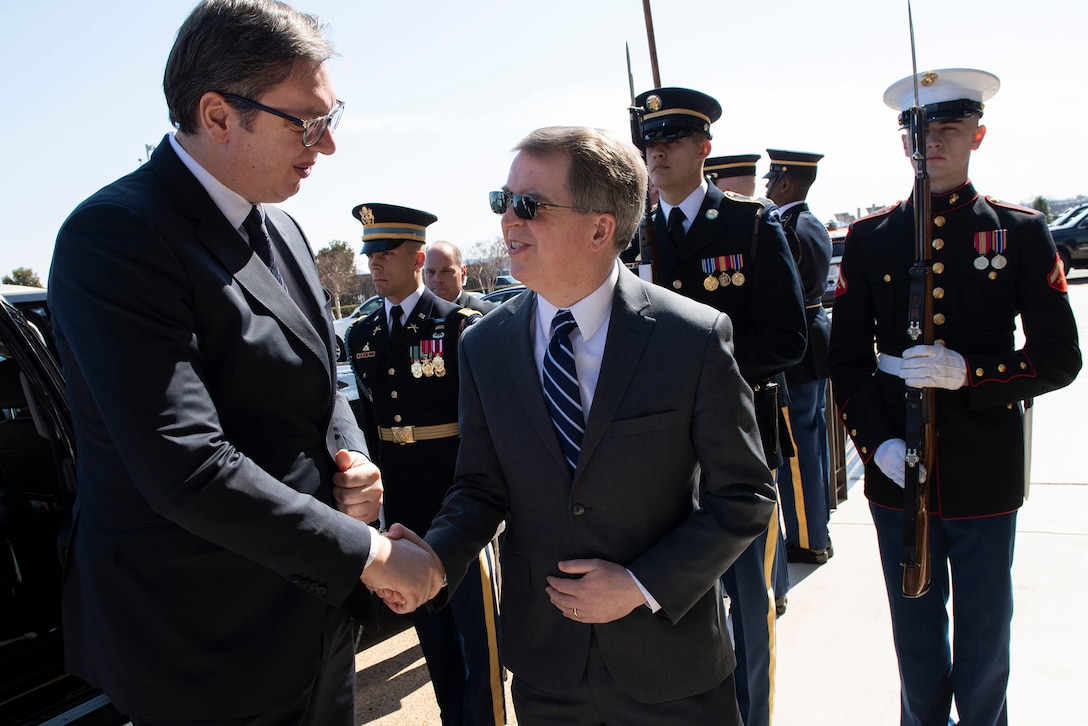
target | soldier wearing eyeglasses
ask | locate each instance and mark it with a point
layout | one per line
(404, 356)
(210, 577)
(728, 251)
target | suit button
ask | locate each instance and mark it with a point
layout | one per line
(938, 341)
(578, 510)
(853, 432)
(1001, 368)
(676, 284)
(938, 293)
(938, 319)
(938, 244)
(295, 579)
(392, 371)
(887, 278)
(865, 449)
(938, 220)
(978, 373)
(321, 590)
(398, 418)
(938, 268)
(393, 394)
(1023, 366)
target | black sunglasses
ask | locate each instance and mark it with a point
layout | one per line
(312, 129)
(525, 206)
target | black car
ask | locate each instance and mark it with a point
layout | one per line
(1070, 233)
(503, 294)
(37, 489)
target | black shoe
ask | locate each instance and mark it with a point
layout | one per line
(808, 557)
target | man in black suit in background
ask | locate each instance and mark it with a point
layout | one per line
(210, 575)
(444, 273)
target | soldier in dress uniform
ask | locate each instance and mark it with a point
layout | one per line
(445, 272)
(404, 356)
(736, 173)
(728, 251)
(803, 480)
(991, 262)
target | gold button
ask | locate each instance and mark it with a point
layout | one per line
(676, 284)
(978, 373)
(938, 293)
(844, 417)
(392, 371)
(938, 244)
(938, 319)
(393, 394)
(992, 275)
(864, 450)
(853, 432)
(938, 268)
(887, 278)
(1008, 405)
(938, 341)
(1001, 368)
(1023, 366)
(938, 220)
(397, 418)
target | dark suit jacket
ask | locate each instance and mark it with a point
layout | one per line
(671, 417)
(207, 555)
(467, 300)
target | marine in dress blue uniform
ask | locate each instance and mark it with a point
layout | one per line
(803, 479)
(409, 390)
(732, 255)
(992, 262)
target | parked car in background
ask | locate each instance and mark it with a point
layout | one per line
(341, 326)
(838, 238)
(1070, 233)
(37, 489)
(503, 294)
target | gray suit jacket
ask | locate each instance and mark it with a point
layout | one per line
(207, 555)
(671, 424)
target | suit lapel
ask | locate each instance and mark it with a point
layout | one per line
(225, 243)
(628, 332)
(516, 332)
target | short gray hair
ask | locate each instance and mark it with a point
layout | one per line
(244, 47)
(607, 174)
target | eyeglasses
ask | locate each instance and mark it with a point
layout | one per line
(312, 129)
(525, 206)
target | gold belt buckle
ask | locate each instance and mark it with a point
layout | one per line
(404, 434)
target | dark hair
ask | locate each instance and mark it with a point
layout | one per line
(607, 174)
(238, 46)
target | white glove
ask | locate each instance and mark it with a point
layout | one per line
(890, 458)
(933, 366)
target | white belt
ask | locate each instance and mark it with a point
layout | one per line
(890, 364)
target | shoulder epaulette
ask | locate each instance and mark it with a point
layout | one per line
(469, 313)
(884, 211)
(734, 197)
(1009, 205)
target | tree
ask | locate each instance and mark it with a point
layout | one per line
(493, 261)
(22, 276)
(336, 269)
(1041, 204)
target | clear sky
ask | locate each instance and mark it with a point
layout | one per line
(438, 92)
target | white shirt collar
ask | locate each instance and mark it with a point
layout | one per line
(785, 207)
(690, 206)
(590, 312)
(407, 305)
(233, 205)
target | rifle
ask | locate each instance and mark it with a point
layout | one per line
(921, 433)
(647, 235)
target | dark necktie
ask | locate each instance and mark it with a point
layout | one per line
(676, 226)
(561, 387)
(260, 243)
(395, 328)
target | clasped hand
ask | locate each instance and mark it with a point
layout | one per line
(933, 366)
(602, 592)
(357, 486)
(405, 572)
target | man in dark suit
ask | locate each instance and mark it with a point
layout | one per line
(804, 477)
(210, 576)
(621, 521)
(991, 263)
(728, 251)
(404, 356)
(445, 272)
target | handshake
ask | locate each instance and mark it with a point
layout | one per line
(405, 573)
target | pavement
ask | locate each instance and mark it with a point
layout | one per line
(835, 661)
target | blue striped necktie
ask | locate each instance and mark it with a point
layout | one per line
(561, 387)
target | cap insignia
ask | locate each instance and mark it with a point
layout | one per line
(928, 79)
(653, 103)
(712, 214)
(366, 216)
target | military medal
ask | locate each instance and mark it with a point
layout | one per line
(999, 260)
(416, 368)
(738, 278)
(438, 361)
(712, 265)
(981, 263)
(993, 240)
(736, 263)
(710, 283)
(724, 279)
(427, 365)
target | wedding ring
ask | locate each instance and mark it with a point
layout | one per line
(575, 611)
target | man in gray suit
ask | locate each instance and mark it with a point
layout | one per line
(445, 272)
(621, 520)
(210, 576)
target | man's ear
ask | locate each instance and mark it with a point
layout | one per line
(603, 232)
(216, 117)
(980, 134)
(704, 149)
